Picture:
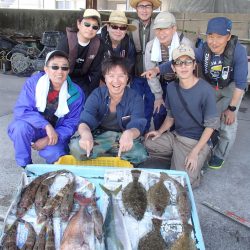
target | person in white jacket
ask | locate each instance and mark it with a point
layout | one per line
(159, 50)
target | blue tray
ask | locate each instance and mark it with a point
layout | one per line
(95, 174)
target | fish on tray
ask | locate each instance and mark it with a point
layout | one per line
(115, 232)
(185, 240)
(79, 233)
(41, 238)
(158, 196)
(9, 238)
(134, 197)
(182, 200)
(153, 240)
(31, 239)
(50, 236)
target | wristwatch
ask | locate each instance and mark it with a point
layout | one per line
(231, 108)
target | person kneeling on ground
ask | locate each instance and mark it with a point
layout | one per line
(47, 112)
(191, 107)
(113, 118)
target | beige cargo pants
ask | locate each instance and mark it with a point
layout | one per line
(170, 146)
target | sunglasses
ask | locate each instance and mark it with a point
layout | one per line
(87, 24)
(186, 62)
(115, 27)
(55, 67)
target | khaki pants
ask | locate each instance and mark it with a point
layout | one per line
(171, 146)
(227, 132)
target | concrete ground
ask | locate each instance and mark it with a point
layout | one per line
(227, 188)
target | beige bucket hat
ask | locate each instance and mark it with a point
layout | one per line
(156, 3)
(92, 13)
(118, 17)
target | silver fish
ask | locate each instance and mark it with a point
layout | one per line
(115, 232)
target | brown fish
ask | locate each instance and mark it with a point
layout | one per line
(182, 200)
(97, 219)
(50, 237)
(134, 197)
(52, 204)
(43, 193)
(158, 196)
(41, 239)
(28, 195)
(79, 233)
(67, 201)
(31, 239)
(9, 239)
(153, 240)
(185, 240)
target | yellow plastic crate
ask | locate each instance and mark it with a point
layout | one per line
(99, 161)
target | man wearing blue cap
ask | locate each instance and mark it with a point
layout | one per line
(224, 65)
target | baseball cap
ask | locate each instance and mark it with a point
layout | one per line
(164, 20)
(55, 53)
(92, 13)
(183, 50)
(219, 25)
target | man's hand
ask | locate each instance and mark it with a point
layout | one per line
(228, 117)
(125, 142)
(191, 161)
(151, 73)
(86, 142)
(157, 105)
(40, 143)
(154, 134)
(52, 135)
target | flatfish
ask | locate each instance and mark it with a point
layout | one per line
(185, 240)
(79, 233)
(115, 232)
(9, 239)
(182, 200)
(158, 196)
(153, 240)
(134, 197)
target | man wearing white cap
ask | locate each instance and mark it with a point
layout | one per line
(158, 51)
(85, 50)
(47, 112)
(191, 107)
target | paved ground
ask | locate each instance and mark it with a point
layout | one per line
(227, 188)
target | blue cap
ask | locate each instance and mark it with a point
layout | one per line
(219, 25)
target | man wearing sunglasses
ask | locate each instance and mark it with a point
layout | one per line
(115, 37)
(186, 146)
(85, 50)
(47, 112)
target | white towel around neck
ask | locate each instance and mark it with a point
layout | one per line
(156, 48)
(42, 90)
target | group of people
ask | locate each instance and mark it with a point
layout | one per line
(131, 90)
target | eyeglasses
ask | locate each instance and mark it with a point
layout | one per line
(55, 67)
(143, 7)
(119, 77)
(186, 62)
(87, 24)
(115, 27)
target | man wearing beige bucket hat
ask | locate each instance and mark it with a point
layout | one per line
(85, 50)
(116, 40)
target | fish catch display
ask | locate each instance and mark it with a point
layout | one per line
(134, 197)
(158, 197)
(119, 209)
